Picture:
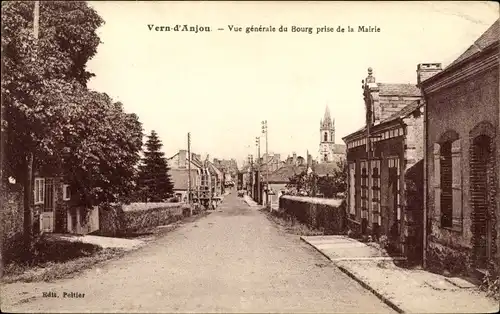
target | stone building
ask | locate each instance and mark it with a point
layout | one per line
(385, 167)
(462, 158)
(329, 151)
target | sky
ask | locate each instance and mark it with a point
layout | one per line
(220, 85)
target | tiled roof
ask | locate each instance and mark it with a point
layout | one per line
(403, 112)
(284, 173)
(325, 168)
(339, 149)
(180, 178)
(398, 89)
(400, 114)
(489, 37)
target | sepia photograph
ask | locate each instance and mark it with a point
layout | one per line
(250, 157)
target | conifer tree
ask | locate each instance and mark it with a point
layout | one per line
(154, 183)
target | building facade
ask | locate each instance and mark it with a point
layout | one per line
(328, 150)
(462, 158)
(179, 167)
(385, 167)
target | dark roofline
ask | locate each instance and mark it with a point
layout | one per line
(386, 122)
(455, 66)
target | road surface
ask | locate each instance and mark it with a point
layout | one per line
(230, 261)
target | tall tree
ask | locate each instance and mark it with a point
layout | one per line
(154, 183)
(51, 116)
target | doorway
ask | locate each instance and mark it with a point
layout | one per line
(393, 206)
(47, 215)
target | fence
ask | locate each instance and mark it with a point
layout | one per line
(328, 215)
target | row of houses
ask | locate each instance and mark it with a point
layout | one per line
(423, 170)
(205, 177)
(255, 175)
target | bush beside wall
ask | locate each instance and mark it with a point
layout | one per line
(328, 215)
(152, 217)
(114, 221)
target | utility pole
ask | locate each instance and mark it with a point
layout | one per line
(28, 186)
(257, 181)
(189, 173)
(264, 130)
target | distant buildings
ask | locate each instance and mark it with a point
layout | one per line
(179, 168)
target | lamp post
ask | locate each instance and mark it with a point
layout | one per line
(264, 131)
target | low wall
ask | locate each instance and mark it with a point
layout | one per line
(328, 215)
(117, 219)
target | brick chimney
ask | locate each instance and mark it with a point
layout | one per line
(183, 158)
(427, 70)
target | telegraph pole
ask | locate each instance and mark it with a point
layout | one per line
(189, 173)
(264, 130)
(257, 181)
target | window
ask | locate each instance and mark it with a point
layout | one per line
(448, 181)
(326, 157)
(39, 190)
(376, 191)
(66, 192)
(445, 183)
(325, 138)
(352, 189)
(364, 190)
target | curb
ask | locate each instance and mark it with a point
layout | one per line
(360, 281)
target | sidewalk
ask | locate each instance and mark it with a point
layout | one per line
(405, 290)
(250, 202)
(104, 242)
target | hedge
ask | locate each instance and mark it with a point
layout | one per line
(328, 215)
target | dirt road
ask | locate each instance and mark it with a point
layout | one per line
(230, 261)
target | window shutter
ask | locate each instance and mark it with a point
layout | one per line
(437, 182)
(456, 161)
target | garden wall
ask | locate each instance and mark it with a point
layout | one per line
(118, 219)
(328, 215)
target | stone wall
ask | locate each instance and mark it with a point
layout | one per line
(114, 221)
(328, 215)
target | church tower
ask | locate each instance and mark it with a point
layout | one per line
(327, 140)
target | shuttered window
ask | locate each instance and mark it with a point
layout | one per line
(364, 190)
(448, 184)
(375, 186)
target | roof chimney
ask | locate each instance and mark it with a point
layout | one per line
(427, 70)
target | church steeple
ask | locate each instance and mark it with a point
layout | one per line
(327, 134)
(326, 123)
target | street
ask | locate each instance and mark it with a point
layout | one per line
(235, 260)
